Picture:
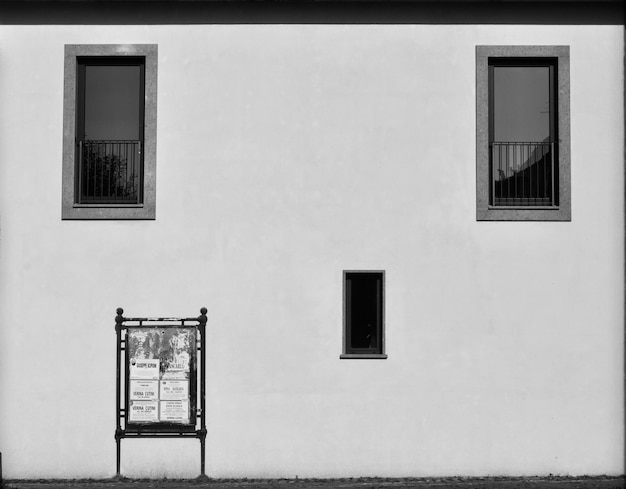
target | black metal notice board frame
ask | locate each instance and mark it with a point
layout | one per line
(195, 425)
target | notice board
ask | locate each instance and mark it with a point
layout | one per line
(161, 366)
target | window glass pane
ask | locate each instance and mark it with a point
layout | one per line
(112, 102)
(364, 311)
(521, 101)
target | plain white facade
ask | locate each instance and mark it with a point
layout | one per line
(285, 155)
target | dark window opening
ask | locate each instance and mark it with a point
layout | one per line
(523, 147)
(364, 312)
(110, 130)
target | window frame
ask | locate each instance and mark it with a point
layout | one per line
(485, 211)
(347, 351)
(147, 208)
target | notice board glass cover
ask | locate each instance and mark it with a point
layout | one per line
(161, 380)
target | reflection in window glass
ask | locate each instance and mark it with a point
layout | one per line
(522, 136)
(521, 103)
(112, 102)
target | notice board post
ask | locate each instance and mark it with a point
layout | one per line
(160, 380)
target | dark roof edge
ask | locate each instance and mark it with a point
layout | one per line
(146, 12)
(296, 2)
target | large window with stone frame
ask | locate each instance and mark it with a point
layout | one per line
(110, 130)
(523, 133)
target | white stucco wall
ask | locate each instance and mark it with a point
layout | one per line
(286, 154)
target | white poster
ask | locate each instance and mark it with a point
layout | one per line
(144, 411)
(175, 411)
(174, 390)
(144, 369)
(144, 390)
(178, 368)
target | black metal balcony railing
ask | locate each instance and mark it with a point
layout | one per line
(109, 172)
(523, 174)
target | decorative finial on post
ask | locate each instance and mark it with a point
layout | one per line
(119, 319)
(203, 319)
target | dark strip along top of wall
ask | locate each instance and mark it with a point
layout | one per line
(143, 12)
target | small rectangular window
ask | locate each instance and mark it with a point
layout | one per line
(363, 314)
(523, 133)
(109, 148)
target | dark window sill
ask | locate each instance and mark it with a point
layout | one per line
(110, 205)
(363, 356)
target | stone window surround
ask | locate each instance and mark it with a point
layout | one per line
(146, 210)
(484, 212)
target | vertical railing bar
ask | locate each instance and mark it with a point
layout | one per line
(85, 188)
(130, 162)
(92, 164)
(492, 148)
(130, 158)
(536, 163)
(508, 177)
(113, 170)
(137, 180)
(509, 160)
(504, 172)
(109, 161)
(519, 165)
(103, 150)
(98, 190)
(511, 156)
(495, 148)
(519, 148)
(530, 173)
(80, 172)
(525, 163)
(552, 165)
(520, 162)
(125, 181)
(106, 174)
(117, 171)
(533, 162)
(119, 168)
(122, 167)
(545, 171)
(515, 169)
(109, 157)
(133, 172)
(531, 167)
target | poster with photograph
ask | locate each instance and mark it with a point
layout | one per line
(173, 349)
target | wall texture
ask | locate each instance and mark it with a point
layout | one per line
(286, 154)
